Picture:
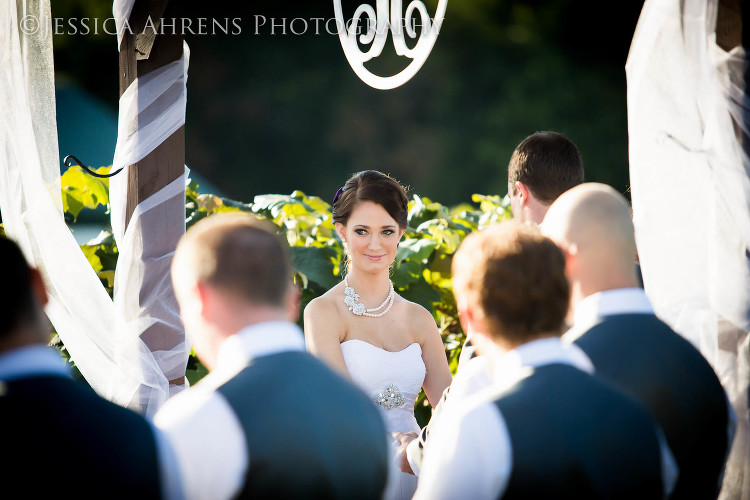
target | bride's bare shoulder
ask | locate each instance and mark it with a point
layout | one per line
(322, 321)
(418, 316)
(324, 307)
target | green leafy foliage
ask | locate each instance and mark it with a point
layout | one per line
(421, 270)
(81, 190)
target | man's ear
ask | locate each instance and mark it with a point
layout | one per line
(466, 317)
(202, 298)
(37, 287)
(524, 193)
(570, 251)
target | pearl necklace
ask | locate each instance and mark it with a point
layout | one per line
(351, 300)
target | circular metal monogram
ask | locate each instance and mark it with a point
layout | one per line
(371, 27)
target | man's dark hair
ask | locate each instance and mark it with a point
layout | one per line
(17, 304)
(548, 163)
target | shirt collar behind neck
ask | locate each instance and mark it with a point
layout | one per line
(30, 361)
(260, 339)
(611, 302)
(537, 353)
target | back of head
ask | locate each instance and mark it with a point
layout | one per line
(515, 278)
(597, 220)
(548, 163)
(374, 186)
(238, 254)
(17, 303)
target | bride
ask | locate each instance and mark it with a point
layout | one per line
(388, 346)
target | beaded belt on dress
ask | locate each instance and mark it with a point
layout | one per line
(390, 398)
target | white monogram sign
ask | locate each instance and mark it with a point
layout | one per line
(373, 32)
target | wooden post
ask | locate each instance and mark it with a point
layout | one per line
(143, 51)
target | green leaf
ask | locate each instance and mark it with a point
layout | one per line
(423, 209)
(91, 191)
(421, 293)
(316, 264)
(195, 370)
(415, 249)
(72, 202)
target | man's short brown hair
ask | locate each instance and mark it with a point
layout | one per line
(516, 277)
(240, 254)
(548, 163)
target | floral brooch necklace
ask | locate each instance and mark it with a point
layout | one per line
(351, 300)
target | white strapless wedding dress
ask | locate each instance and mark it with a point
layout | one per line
(393, 381)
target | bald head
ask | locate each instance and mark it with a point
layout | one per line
(592, 223)
(237, 254)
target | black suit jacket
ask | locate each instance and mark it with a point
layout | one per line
(646, 359)
(59, 436)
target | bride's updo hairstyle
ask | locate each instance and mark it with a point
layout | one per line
(374, 186)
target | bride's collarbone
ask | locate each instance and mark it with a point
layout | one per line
(387, 335)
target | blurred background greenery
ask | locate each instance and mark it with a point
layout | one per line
(271, 113)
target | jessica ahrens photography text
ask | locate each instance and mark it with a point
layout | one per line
(227, 26)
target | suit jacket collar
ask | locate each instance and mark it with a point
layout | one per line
(33, 360)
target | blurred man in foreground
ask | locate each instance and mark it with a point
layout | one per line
(545, 416)
(633, 350)
(58, 434)
(271, 420)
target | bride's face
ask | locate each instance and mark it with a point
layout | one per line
(371, 237)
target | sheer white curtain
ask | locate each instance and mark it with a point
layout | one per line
(152, 108)
(102, 336)
(30, 198)
(690, 181)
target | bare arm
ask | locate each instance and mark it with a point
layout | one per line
(438, 375)
(323, 333)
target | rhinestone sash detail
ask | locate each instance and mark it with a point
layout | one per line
(390, 398)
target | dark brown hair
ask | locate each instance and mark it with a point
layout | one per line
(240, 254)
(548, 163)
(17, 304)
(516, 277)
(374, 186)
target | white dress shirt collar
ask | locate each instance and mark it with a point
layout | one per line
(517, 363)
(611, 302)
(607, 303)
(261, 339)
(30, 361)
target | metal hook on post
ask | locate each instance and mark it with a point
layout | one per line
(70, 161)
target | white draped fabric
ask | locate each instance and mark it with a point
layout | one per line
(690, 181)
(152, 108)
(103, 337)
(30, 198)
